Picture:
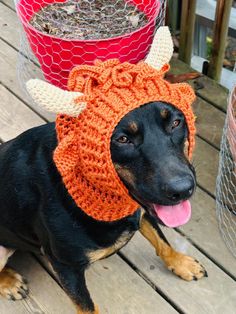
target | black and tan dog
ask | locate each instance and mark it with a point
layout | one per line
(37, 213)
(146, 148)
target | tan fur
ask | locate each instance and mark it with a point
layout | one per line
(80, 311)
(164, 113)
(4, 255)
(125, 174)
(182, 265)
(133, 127)
(102, 253)
(12, 285)
(186, 145)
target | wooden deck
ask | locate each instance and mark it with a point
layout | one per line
(133, 281)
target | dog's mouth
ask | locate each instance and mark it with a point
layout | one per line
(171, 216)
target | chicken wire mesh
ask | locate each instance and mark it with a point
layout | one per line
(226, 180)
(57, 35)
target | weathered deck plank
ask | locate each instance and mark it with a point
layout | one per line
(206, 160)
(107, 289)
(15, 117)
(213, 295)
(203, 230)
(119, 290)
(8, 77)
(9, 3)
(212, 92)
(9, 30)
(116, 293)
(16, 307)
(210, 122)
(9, 33)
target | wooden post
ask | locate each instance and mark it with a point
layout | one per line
(187, 30)
(173, 15)
(220, 32)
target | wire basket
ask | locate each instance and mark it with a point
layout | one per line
(226, 180)
(58, 35)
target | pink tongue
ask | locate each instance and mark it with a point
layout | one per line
(174, 215)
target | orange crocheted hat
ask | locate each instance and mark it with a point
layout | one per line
(106, 92)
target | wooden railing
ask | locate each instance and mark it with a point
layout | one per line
(220, 30)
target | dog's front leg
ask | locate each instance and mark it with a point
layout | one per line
(74, 283)
(182, 265)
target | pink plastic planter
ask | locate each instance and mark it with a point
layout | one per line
(58, 56)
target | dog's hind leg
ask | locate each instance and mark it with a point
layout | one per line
(12, 285)
(182, 265)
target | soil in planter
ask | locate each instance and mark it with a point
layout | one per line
(89, 19)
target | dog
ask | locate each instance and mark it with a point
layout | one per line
(38, 215)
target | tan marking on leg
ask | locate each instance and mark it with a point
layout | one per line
(182, 265)
(81, 311)
(125, 174)
(12, 285)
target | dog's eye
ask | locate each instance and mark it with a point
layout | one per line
(123, 140)
(175, 123)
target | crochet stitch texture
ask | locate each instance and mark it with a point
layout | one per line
(111, 89)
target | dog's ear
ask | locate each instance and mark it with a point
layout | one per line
(54, 99)
(161, 50)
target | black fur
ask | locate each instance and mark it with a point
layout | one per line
(37, 212)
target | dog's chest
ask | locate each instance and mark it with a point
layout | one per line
(96, 255)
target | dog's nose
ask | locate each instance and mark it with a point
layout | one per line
(179, 189)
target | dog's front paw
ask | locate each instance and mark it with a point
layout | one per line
(186, 267)
(12, 285)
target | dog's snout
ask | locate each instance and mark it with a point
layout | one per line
(179, 189)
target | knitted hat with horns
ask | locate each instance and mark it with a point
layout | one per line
(99, 97)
